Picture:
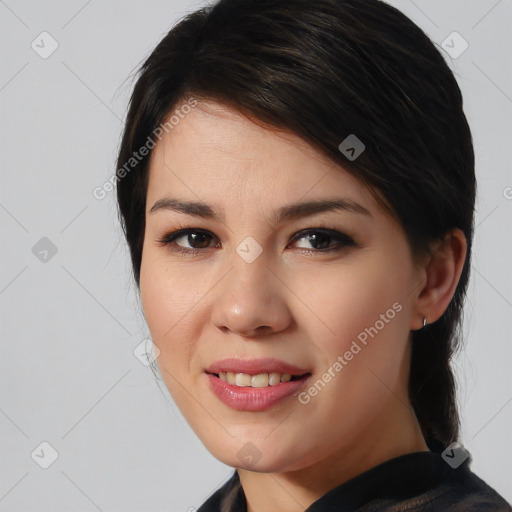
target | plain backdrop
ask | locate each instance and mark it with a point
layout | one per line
(70, 318)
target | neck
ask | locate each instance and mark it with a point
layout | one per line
(293, 491)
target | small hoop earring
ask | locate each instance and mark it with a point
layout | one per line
(424, 321)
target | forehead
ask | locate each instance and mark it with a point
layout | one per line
(217, 154)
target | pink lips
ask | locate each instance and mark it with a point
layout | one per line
(255, 366)
(249, 398)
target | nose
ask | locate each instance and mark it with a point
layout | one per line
(251, 301)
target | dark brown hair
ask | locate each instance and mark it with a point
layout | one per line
(324, 70)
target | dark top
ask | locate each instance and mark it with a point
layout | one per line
(416, 481)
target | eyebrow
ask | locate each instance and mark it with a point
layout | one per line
(288, 212)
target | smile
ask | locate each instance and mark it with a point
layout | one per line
(261, 380)
(256, 384)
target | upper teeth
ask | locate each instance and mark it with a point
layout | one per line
(256, 381)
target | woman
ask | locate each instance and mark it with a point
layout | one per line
(296, 185)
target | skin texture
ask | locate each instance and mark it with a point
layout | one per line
(294, 302)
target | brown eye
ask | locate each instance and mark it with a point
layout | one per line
(319, 240)
(197, 240)
(322, 240)
(188, 240)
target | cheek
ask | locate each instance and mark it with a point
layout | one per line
(169, 299)
(168, 292)
(362, 317)
(348, 300)
(361, 343)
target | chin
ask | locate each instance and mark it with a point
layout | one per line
(256, 453)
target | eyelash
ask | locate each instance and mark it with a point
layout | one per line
(343, 241)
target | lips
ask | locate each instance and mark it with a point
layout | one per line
(255, 384)
(255, 367)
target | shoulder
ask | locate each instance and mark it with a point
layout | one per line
(416, 482)
(464, 491)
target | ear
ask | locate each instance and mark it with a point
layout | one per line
(440, 273)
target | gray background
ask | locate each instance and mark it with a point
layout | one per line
(69, 324)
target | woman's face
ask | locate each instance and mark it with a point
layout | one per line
(291, 276)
